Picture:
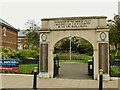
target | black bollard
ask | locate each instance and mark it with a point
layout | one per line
(101, 80)
(35, 78)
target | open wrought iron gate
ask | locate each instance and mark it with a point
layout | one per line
(56, 66)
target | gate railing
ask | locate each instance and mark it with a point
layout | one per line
(56, 66)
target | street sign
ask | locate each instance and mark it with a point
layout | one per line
(9, 64)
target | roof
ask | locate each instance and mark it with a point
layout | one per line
(70, 18)
(4, 23)
(22, 33)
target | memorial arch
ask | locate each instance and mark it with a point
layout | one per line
(93, 29)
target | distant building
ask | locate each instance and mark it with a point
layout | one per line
(21, 39)
(8, 35)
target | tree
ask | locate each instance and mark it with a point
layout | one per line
(32, 37)
(77, 45)
(32, 40)
(32, 25)
(85, 47)
(114, 26)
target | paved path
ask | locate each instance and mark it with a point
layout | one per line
(24, 81)
(74, 70)
(72, 81)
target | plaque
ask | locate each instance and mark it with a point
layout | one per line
(103, 36)
(44, 37)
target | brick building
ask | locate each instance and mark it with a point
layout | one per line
(21, 39)
(8, 35)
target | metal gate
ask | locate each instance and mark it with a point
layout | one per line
(56, 66)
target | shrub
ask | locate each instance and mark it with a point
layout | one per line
(7, 52)
(74, 56)
(27, 54)
(115, 71)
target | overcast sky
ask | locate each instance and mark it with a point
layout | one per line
(17, 13)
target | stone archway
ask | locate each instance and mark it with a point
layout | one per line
(93, 29)
(74, 69)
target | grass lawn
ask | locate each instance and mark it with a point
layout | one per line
(27, 68)
(23, 69)
(83, 59)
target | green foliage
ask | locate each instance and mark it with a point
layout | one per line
(114, 26)
(32, 37)
(74, 56)
(32, 40)
(20, 54)
(7, 52)
(65, 44)
(66, 56)
(85, 47)
(115, 71)
(78, 45)
(9, 71)
(80, 61)
(118, 52)
(27, 54)
(114, 53)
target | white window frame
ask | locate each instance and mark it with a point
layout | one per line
(19, 39)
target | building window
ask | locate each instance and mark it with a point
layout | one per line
(4, 31)
(19, 39)
(20, 46)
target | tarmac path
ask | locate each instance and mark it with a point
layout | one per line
(74, 70)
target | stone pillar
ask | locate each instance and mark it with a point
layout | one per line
(43, 57)
(104, 60)
(43, 60)
(103, 57)
(103, 44)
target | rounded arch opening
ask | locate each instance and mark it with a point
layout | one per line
(78, 45)
(74, 53)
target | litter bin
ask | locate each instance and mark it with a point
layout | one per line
(90, 68)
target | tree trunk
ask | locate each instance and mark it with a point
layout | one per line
(116, 46)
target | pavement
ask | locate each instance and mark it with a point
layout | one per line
(70, 78)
